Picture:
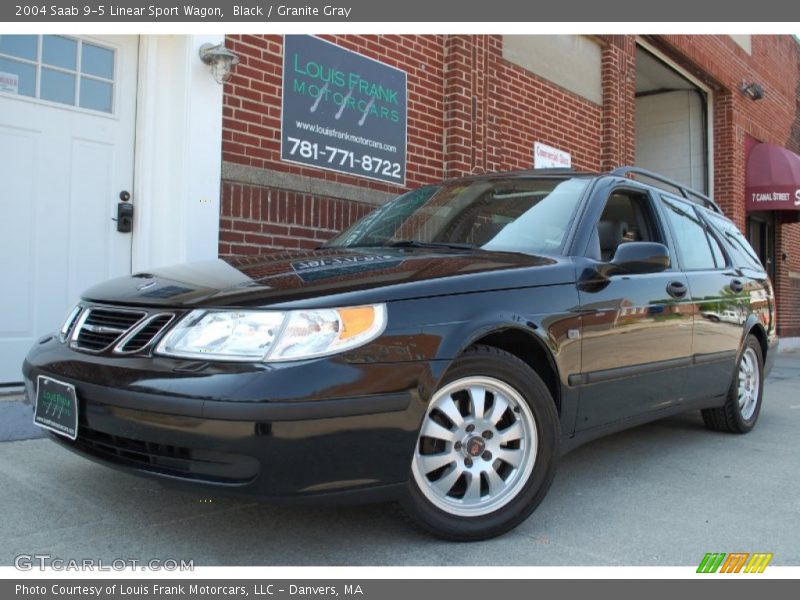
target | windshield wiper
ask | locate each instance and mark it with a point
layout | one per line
(420, 244)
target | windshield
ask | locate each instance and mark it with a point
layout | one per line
(512, 215)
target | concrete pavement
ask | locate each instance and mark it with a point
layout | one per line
(661, 494)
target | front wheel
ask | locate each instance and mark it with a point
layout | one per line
(487, 448)
(743, 404)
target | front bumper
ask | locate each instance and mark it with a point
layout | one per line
(324, 428)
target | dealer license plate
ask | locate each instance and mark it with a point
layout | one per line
(56, 407)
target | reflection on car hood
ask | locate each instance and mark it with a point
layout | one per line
(334, 276)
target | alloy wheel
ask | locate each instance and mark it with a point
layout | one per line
(749, 383)
(477, 446)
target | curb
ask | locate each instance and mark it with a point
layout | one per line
(789, 344)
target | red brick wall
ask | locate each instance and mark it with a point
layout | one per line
(788, 243)
(525, 108)
(495, 110)
(251, 137)
(723, 65)
(775, 65)
(252, 103)
(471, 111)
(787, 280)
(618, 139)
(257, 219)
(461, 146)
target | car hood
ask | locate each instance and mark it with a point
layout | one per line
(331, 277)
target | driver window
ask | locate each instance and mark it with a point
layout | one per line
(627, 217)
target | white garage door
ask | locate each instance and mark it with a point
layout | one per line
(67, 118)
(670, 136)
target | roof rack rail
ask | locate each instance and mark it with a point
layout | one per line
(687, 192)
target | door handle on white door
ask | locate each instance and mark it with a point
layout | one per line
(124, 218)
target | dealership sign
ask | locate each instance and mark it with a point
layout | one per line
(547, 157)
(343, 111)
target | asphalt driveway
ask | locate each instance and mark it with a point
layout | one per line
(661, 494)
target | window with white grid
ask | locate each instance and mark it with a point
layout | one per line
(59, 69)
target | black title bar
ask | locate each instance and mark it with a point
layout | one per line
(443, 11)
(730, 588)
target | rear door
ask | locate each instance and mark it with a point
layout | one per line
(716, 290)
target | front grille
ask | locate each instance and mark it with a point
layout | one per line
(141, 336)
(99, 328)
(166, 459)
(70, 322)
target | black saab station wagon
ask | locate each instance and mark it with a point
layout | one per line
(442, 352)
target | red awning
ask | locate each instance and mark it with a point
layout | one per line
(773, 179)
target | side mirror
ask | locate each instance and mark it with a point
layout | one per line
(637, 258)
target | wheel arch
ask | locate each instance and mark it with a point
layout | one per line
(756, 328)
(529, 348)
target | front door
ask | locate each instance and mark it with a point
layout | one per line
(67, 118)
(637, 329)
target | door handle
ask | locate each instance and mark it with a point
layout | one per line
(124, 218)
(677, 289)
(737, 285)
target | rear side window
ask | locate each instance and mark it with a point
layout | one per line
(716, 250)
(741, 250)
(696, 249)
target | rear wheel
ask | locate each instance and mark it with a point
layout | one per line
(743, 404)
(487, 448)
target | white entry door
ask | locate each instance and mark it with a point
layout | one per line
(67, 119)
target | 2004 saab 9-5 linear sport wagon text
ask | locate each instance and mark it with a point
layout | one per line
(441, 352)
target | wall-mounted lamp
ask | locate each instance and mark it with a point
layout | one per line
(220, 59)
(751, 90)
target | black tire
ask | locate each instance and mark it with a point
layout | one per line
(487, 361)
(729, 417)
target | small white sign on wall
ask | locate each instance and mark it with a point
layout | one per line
(9, 82)
(547, 157)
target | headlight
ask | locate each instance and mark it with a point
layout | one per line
(236, 335)
(223, 335)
